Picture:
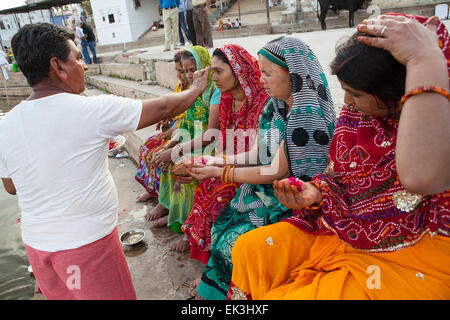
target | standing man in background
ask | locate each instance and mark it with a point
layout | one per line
(84, 50)
(189, 9)
(201, 23)
(90, 39)
(182, 23)
(170, 20)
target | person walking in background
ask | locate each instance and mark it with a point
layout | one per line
(90, 42)
(84, 50)
(201, 23)
(189, 9)
(182, 23)
(170, 20)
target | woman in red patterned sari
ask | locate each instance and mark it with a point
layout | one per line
(237, 75)
(357, 232)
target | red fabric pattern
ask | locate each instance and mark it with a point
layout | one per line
(359, 197)
(213, 195)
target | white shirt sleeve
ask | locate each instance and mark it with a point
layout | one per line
(3, 170)
(118, 115)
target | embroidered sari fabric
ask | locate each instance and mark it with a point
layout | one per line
(148, 175)
(364, 203)
(178, 198)
(212, 194)
(256, 205)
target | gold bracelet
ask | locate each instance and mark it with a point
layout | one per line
(225, 158)
(232, 174)
(224, 173)
(317, 206)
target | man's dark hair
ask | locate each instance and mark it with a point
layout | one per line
(35, 44)
(371, 70)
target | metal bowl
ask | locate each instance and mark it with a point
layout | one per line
(118, 139)
(132, 237)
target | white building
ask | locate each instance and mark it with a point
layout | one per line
(10, 23)
(121, 21)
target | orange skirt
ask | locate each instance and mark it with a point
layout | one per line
(283, 262)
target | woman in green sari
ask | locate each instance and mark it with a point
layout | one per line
(176, 194)
(295, 130)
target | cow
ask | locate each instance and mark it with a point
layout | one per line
(334, 5)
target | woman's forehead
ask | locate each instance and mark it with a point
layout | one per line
(267, 65)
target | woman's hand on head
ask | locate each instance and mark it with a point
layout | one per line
(407, 40)
(292, 198)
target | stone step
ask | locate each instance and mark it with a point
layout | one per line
(124, 71)
(101, 84)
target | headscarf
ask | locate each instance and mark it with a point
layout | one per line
(203, 60)
(246, 70)
(312, 117)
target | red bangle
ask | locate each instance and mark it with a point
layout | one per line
(419, 90)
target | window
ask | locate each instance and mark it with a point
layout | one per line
(103, 18)
(2, 25)
(111, 18)
(137, 4)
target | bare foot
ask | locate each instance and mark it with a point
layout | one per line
(158, 212)
(161, 222)
(145, 197)
(180, 246)
(194, 285)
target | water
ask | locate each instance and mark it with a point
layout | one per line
(15, 280)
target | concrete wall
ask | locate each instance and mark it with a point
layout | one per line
(141, 18)
(165, 74)
(129, 22)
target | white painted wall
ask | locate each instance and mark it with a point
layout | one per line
(129, 22)
(11, 23)
(141, 18)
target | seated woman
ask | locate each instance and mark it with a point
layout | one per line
(236, 74)
(295, 130)
(176, 194)
(147, 174)
(356, 232)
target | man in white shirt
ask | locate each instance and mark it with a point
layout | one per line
(53, 155)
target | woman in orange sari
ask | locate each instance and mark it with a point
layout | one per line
(357, 233)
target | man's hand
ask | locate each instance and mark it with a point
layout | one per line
(200, 81)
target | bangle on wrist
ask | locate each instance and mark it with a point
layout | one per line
(224, 158)
(419, 90)
(225, 170)
(316, 205)
(232, 174)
